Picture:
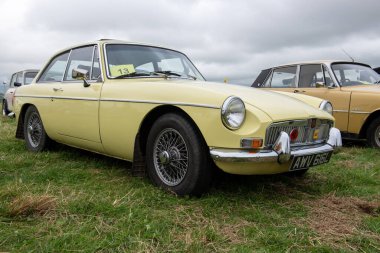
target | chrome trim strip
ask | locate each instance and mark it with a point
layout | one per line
(360, 112)
(125, 100)
(158, 102)
(67, 98)
(340, 110)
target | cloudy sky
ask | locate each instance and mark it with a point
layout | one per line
(224, 39)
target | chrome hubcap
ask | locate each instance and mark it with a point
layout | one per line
(34, 130)
(170, 157)
(164, 157)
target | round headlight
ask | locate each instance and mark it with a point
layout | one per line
(326, 106)
(233, 113)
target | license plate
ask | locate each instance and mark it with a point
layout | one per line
(307, 161)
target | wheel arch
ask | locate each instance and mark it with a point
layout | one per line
(374, 115)
(20, 122)
(138, 166)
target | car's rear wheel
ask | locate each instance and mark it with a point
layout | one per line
(373, 133)
(34, 132)
(177, 158)
(4, 108)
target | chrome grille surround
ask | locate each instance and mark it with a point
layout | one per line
(306, 129)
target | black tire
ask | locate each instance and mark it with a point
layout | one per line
(4, 108)
(177, 157)
(373, 134)
(34, 132)
(296, 173)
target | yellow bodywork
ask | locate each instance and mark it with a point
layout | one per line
(107, 116)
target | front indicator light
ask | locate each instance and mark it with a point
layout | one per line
(251, 143)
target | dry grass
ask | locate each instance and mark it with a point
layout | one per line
(335, 219)
(194, 224)
(32, 205)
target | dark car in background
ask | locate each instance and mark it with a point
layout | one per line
(18, 79)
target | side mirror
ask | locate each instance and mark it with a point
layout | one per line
(320, 85)
(80, 74)
(17, 84)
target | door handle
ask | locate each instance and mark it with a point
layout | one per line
(57, 89)
(296, 91)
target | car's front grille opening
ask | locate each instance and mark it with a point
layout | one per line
(310, 131)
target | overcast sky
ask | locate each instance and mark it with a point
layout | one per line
(224, 39)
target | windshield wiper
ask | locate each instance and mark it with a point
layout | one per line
(167, 73)
(131, 75)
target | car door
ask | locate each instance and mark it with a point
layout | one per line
(9, 95)
(315, 80)
(77, 105)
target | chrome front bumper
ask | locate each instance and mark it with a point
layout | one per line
(281, 152)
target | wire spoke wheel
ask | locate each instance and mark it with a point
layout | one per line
(377, 136)
(34, 130)
(170, 157)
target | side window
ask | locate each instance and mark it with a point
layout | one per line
(310, 75)
(80, 58)
(13, 80)
(284, 77)
(95, 65)
(19, 78)
(55, 70)
(328, 80)
(29, 76)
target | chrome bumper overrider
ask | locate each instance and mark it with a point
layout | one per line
(281, 152)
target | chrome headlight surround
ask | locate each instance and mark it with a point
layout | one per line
(326, 106)
(233, 113)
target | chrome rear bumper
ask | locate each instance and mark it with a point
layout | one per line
(281, 152)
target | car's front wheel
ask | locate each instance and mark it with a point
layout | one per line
(4, 108)
(34, 132)
(373, 134)
(177, 158)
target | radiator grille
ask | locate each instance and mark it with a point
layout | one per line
(309, 131)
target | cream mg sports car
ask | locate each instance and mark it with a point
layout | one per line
(352, 88)
(150, 105)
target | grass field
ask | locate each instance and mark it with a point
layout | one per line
(68, 200)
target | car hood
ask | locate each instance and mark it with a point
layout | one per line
(370, 88)
(277, 106)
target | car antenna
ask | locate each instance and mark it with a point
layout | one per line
(349, 56)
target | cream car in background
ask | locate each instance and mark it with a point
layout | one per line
(352, 88)
(18, 79)
(150, 105)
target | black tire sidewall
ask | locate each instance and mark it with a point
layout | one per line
(44, 138)
(198, 176)
(371, 133)
(4, 108)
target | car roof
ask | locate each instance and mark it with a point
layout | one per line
(108, 41)
(327, 62)
(26, 70)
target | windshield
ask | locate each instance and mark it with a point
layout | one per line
(29, 76)
(134, 60)
(349, 74)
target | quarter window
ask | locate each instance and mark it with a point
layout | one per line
(55, 70)
(80, 58)
(95, 74)
(13, 80)
(310, 75)
(284, 77)
(328, 80)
